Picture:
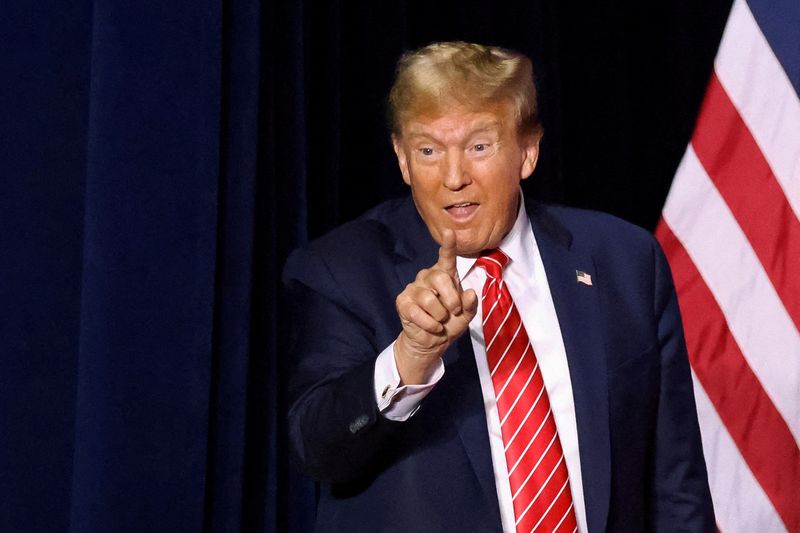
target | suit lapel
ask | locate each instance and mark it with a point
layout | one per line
(580, 319)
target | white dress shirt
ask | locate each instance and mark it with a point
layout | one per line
(527, 283)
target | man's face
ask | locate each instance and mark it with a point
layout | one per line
(464, 169)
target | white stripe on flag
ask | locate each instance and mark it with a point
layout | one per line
(759, 88)
(755, 315)
(740, 503)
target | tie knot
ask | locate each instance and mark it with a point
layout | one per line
(493, 262)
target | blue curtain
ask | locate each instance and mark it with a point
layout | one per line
(142, 239)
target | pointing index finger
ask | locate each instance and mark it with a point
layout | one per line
(447, 253)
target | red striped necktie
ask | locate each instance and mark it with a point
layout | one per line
(536, 469)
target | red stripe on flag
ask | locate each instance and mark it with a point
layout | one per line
(737, 167)
(757, 428)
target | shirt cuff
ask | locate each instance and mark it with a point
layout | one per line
(397, 402)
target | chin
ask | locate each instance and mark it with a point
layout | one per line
(467, 246)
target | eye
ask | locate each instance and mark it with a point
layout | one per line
(480, 147)
(426, 151)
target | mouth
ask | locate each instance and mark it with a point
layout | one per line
(462, 211)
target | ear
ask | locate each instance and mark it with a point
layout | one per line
(530, 150)
(402, 161)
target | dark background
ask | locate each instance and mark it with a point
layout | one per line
(160, 159)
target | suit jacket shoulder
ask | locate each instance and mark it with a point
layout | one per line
(599, 233)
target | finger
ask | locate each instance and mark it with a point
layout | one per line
(457, 325)
(449, 293)
(447, 253)
(417, 317)
(429, 300)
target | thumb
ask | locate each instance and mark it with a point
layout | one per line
(469, 303)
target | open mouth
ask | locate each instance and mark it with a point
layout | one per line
(462, 211)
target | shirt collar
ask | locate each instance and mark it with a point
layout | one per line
(518, 245)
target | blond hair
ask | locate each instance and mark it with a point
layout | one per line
(439, 76)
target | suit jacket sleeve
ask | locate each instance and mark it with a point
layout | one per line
(335, 427)
(682, 501)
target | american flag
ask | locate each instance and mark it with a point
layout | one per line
(731, 231)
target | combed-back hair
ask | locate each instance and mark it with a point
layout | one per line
(442, 76)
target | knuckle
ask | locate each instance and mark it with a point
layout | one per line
(408, 292)
(440, 276)
(427, 298)
(401, 301)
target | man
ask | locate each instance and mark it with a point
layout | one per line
(469, 360)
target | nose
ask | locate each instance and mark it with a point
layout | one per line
(456, 174)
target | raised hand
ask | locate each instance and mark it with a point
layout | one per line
(434, 312)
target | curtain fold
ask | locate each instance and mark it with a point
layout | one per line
(236, 203)
(288, 501)
(149, 264)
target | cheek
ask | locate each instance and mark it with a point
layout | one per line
(425, 179)
(498, 181)
(424, 192)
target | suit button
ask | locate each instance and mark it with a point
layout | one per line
(357, 424)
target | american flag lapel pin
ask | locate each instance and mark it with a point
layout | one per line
(583, 277)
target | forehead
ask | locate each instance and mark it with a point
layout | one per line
(458, 123)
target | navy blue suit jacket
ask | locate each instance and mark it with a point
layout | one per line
(640, 449)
